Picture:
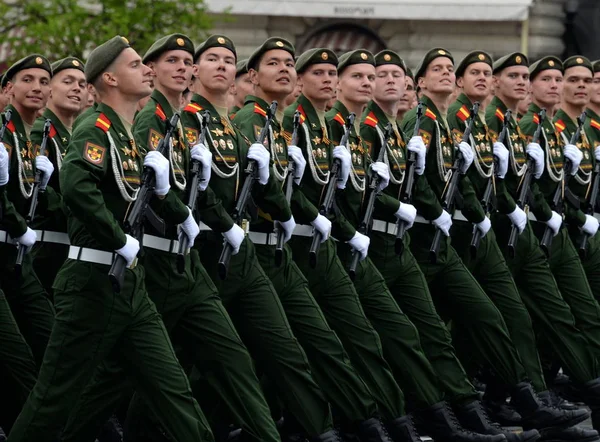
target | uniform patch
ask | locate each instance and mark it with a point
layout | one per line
(463, 113)
(191, 135)
(94, 153)
(154, 139)
(595, 124)
(257, 130)
(560, 125)
(426, 137)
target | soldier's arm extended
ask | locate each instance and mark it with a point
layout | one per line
(51, 199)
(12, 221)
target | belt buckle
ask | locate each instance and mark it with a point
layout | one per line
(245, 226)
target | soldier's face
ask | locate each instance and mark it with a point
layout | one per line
(512, 82)
(318, 81)
(173, 70)
(68, 90)
(216, 69)
(389, 83)
(30, 88)
(276, 73)
(356, 83)
(577, 86)
(476, 81)
(595, 94)
(409, 98)
(132, 77)
(439, 76)
(243, 88)
(547, 87)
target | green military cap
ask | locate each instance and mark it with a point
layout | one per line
(578, 60)
(473, 57)
(431, 55)
(241, 67)
(596, 66)
(513, 59)
(389, 57)
(67, 63)
(544, 64)
(315, 56)
(410, 74)
(3, 80)
(270, 44)
(102, 57)
(215, 41)
(171, 42)
(29, 62)
(359, 56)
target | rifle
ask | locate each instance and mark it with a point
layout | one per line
(245, 193)
(140, 210)
(591, 208)
(365, 224)
(289, 183)
(563, 191)
(34, 196)
(525, 191)
(486, 200)
(184, 242)
(329, 199)
(449, 196)
(6, 119)
(407, 189)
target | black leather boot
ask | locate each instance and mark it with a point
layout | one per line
(111, 431)
(502, 412)
(328, 436)
(439, 422)
(539, 414)
(372, 430)
(573, 434)
(474, 417)
(402, 429)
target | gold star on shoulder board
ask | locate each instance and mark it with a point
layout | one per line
(314, 126)
(552, 143)
(64, 140)
(316, 140)
(514, 137)
(479, 137)
(217, 132)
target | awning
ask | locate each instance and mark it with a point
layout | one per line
(473, 10)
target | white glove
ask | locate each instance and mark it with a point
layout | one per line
(575, 155)
(360, 243)
(443, 222)
(597, 152)
(157, 162)
(535, 152)
(44, 165)
(28, 239)
(518, 218)
(203, 155)
(235, 237)
(258, 153)
(408, 213)
(342, 154)
(417, 146)
(383, 171)
(288, 228)
(466, 151)
(554, 222)
(296, 156)
(591, 225)
(3, 165)
(501, 152)
(190, 228)
(131, 248)
(484, 226)
(323, 226)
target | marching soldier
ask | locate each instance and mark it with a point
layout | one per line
(92, 320)
(592, 123)
(247, 293)
(4, 96)
(409, 98)
(242, 87)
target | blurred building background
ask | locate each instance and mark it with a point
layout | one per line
(411, 27)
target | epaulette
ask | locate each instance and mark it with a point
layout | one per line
(536, 118)
(259, 110)
(232, 115)
(595, 124)
(560, 125)
(302, 114)
(499, 114)
(160, 112)
(371, 120)
(192, 108)
(338, 117)
(463, 113)
(11, 127)
(52, 132)
(103, 123)
(429, 113)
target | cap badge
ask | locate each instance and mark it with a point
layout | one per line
(363, 56)
(38, 60)
(442, 52)
(518, 59)
(551, 63)
(579, 60)
(279, 43)
(180, 42)
(125, 40)
(75, 63)
(221, 40)
(481, 57)
(324, 55)
(387, 57)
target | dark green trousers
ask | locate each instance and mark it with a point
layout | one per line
(198, 324)
(28, 301)
(335, 374)
(94, 323)
(259, 317)
(494, 277)
(408, 286)
(48, 258)
(458, 296)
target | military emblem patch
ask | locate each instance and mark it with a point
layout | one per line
(154, 139)
(426, 137)
(94, 153)
(191, 135)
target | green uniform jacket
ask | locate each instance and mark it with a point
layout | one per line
(94, 177)
(250, 120)
(317, 148)
(85, 114)
(592, 128)
(233, 112)
(553, 155)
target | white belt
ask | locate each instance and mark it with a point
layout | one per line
(269, 239)
(91, 255)
(385, 227)
(5, 237)
(163, 244)
(303, 230)
(203, 226)
(53, 237)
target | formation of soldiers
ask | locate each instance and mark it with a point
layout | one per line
(317, 247)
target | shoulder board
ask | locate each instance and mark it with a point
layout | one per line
(536, 119)
(560, 125)
(259, 110)
(192, 108)
(429, 113)
(103, 123)
(338, 117)
(52, 132)
(160, 112)
(371, 120)
(499, 114)
(302, 114)
(595, 124)
(11, 127)
(463, 113)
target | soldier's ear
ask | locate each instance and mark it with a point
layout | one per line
(253, 74)
(421, 82)
(8, 90)
(495, 81)
(108, 79)
(460, 83)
